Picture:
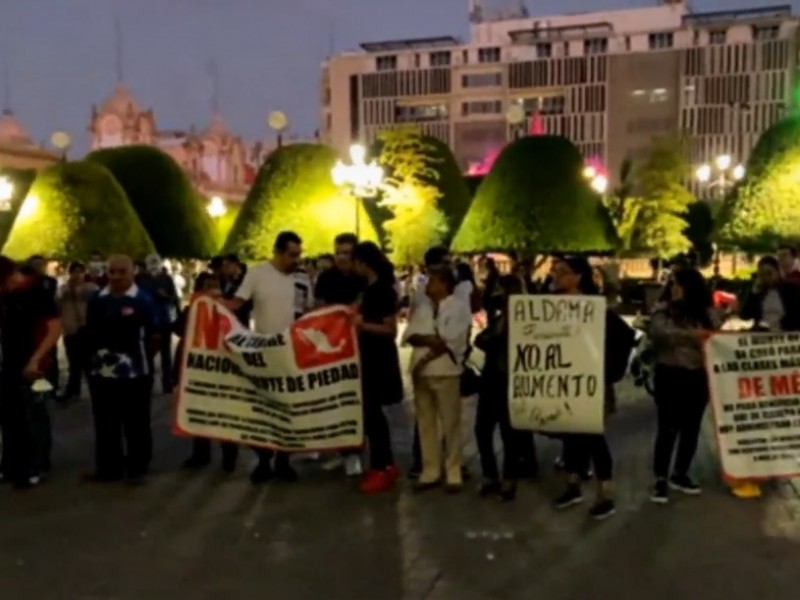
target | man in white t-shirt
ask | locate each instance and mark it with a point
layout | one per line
(271, 286)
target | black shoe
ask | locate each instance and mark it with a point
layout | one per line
(508, 491)
(261, 474)
(195, 462)
(286, 474)
(660, 493)
(682, 483)
(101, 478)
(414, 472)
(453, 488)
(602, 509)
(228, 465)
(425, 486)
(28, 483)
(490, 489)
(587, 476)
(571, 496)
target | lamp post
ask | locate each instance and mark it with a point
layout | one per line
(61, 141)
(6, 193)
(362, 179)
(278, 122)
(216, 207)
(720, 177)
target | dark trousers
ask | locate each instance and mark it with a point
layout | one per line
(201, 450)
(376, 430)
(265, 456)
(583, 450)
(123, 439)
(492, 413)
(165, 352)
(681, 397)
(75, 347)
(25, 428)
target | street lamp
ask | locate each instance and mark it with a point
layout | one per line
(6, 193)
(596, 177)
(278, 122)
(61, 141)
(216, 207)
(727, 174)
(362, 179)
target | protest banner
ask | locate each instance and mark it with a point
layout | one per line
(556, 360)
(299, 390)
(754, 381)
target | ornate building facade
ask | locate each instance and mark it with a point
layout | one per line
(16, 148)
(218, 162)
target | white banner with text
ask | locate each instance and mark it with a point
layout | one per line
(299, 390)
(556, 363)
(754, 379)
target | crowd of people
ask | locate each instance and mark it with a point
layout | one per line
(118, 318)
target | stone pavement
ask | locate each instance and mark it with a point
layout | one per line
(207, 536)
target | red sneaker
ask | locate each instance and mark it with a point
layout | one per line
(376, 482)
(393, 472)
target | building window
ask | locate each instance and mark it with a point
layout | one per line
(486, 107)
(416, 60)
(627, 43)
(566, 48)
(481, 80)
(440, 58)
(386, 63)
(657, 41)
(549, 105)
(718, 36)
(658, 95)
(420, 113)
(465, 56)
(544, 50)
(768, 32)
(595, 46)
(489, 55)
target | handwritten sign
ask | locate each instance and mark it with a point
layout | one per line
(754, 379)
(556, 363)
(299, 390)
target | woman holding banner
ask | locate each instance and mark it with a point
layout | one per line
(381, 380)
(574, 276)
(677, 331)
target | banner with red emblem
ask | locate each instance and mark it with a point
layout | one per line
(297, 391)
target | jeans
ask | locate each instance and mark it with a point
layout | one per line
(492, 413)
(681, 397)
(75, 347)
(583, 450)
(376, 430)
(123, 438)
(25, 427)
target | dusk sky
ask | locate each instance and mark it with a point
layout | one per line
(60, 54)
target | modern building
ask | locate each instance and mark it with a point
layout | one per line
(609, 81)
(17, 150)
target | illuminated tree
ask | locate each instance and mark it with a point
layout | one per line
(763, 211)
(536, 200)
(294, 191)
(74, 209)
(411, 194)
(172, 211)
(663, 199)
(20, 181)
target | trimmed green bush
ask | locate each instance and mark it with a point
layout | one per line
(762, 211)
(455, 198)
(172, 211)
(535, 200)
(21, 179)
(294, 191)
(74, 209)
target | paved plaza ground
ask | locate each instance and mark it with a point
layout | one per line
(208, 536)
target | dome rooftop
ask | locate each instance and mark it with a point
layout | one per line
(120, 101)
(12, 132)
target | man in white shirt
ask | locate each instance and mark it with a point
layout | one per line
(272, 288)
(438, 332)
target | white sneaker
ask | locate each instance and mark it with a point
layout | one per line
(333, 463)
(352, 465)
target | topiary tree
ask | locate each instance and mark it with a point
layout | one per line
(18, 182)
(224, 224)
(172, 211)
(411, 194)
(294, 191)
(473, 182)
(74, 209)
(763, 211)
(455, 196)
(536, 200)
